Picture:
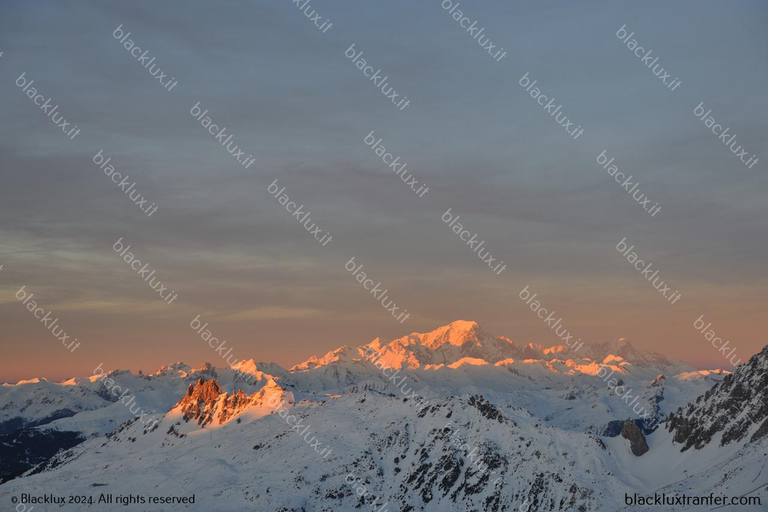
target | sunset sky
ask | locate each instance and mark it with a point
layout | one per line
(486, 149)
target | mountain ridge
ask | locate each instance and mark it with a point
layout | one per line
(420, 422)
(445, 345)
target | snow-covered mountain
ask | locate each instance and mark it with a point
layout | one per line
(729, 412)
(454, 419)
(717, 445)
(447, 345)
(463, 342)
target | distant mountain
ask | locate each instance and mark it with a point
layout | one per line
(466, 340)
(38, 402)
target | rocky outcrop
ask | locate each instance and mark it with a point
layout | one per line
(199, 403)
(231, 405)
(733, 408)
(206, 403)
(637, 442)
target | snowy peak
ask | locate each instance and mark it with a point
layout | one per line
(456, 333)
(614, 350)
(36, 380)
(206, 369)
(621, 351)
(248, 370)
(445, 345)
(341, 354)
(248, 366)
(178, 368)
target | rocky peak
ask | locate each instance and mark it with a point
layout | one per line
(200, 400)
(206, 403)
(456, 333)
(341, 354)
(733, 407)
(173, 369)
(203, 389)
(207, 369)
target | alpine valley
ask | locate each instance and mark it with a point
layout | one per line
(456, 419)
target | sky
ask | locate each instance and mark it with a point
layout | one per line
(287, 93)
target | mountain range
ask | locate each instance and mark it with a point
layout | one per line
(453, 419)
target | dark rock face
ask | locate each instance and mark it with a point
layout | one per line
(760, 432)
(734, 407)
(487, 409)
(637, 442)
